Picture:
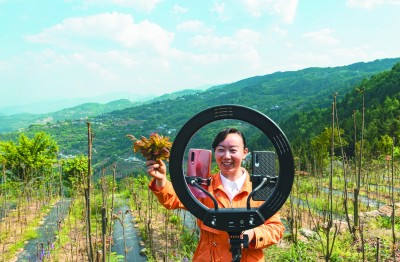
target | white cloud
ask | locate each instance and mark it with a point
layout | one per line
(240, 48)
(210, 59)
(287, 9)
(370, 4)
(243, 39)
(289, 44)
(284, 8)
(116, 27)
(194, 26)
(357, 54)
(146, 51)
(280, 31)
(331, 57)
(248, 37)
(83, 73)
(302, 60)
(146, 34)
(212, 42)
(219, 8)
(323, 36)
(142, 5)
(177, 9)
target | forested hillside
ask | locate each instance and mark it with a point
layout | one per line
(381, 94)
(14, 122)
(299, 101)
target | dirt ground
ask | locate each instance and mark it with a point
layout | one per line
(12, 228)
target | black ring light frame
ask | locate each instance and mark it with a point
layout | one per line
(233, 219)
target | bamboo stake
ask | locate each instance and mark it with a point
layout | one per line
(112, 210)
(378, 245)
(357, 190)
(87, 196)
(393, 207)
(104, 217)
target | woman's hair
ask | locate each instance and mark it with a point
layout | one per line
(222, 135)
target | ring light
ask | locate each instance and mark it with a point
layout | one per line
(233, 219)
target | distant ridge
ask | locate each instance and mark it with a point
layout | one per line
(278, 95)
(23, 120)
(298, 101)
(45, 107)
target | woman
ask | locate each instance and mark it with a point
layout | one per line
(231, 188)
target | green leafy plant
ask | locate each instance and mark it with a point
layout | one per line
(156, 147)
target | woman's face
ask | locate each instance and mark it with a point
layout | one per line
(229, 155)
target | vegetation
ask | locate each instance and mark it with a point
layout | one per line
(344, 205)
(382, 95)
(279, 95)
(23, 120)
(156, 147)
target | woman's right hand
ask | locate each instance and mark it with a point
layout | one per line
(157, 170)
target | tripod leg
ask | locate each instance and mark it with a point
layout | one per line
(236, 241)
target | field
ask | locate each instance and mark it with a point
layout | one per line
(319, 219)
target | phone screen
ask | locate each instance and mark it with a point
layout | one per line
(263, 164)
(199, 165)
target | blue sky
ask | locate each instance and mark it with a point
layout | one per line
(82, 48)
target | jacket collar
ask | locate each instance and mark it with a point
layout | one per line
(217, 183)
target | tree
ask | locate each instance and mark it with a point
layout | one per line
(75, 171)
(29, 155)
(385, 145)
(321, 145)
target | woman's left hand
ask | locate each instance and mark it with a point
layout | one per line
(249, 233)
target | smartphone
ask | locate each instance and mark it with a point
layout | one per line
(263, 165)
(199, 166)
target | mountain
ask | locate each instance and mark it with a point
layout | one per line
(381, 95)
(23, 120)
(46, 107)
(176, 94)
(281, 96)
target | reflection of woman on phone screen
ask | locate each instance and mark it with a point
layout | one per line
(231, 188)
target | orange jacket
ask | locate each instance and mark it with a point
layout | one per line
(214, 244)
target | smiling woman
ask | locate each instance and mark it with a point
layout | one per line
(230, 150)
(215, 243)
(222, 217)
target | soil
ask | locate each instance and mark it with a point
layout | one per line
(14, 225)
(370, 235)
(75, 250)
(159, 238)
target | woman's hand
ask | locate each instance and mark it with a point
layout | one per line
(250, 234)
(157, 170)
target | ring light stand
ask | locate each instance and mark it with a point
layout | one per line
(232, 220)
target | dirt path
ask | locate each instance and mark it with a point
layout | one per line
(125, 236)
(40, 248)
(13, 229)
